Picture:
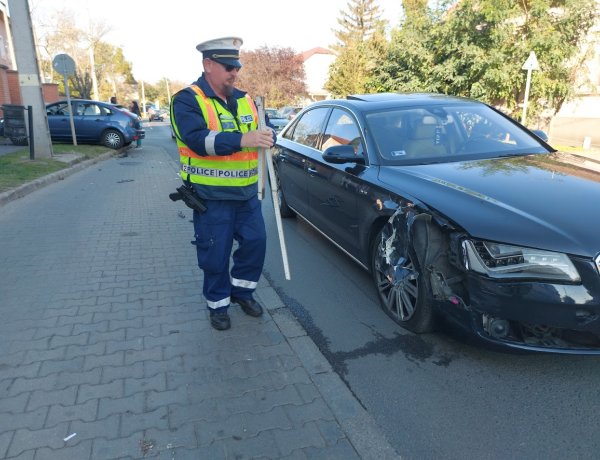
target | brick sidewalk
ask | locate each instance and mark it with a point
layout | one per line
(107, 351)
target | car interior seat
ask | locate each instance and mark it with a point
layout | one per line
(90, 110)
(426, 138)
(390, 136)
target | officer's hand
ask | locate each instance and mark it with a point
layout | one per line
(259, 138)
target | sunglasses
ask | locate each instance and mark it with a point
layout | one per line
(227, 67)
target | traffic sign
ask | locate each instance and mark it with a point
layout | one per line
(531, 63)
(63, 64)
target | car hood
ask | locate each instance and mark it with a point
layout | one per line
(279, 121)
(546, 201)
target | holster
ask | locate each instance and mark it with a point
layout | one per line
(189, 197)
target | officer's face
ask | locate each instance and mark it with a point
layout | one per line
(221, 76)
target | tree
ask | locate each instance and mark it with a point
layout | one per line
(52, 40)
(361, 44)
(408, 59)
(61, 35)
(94, 35)
(157, 92)
(113, 71)
(275, 73)
(476, 48)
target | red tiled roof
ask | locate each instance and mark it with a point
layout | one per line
(311, 52)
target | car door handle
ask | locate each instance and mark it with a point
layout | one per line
(312, 170)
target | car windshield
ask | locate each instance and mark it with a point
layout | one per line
(443, 133)
(272, 113)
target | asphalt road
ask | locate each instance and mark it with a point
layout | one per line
(435, 395)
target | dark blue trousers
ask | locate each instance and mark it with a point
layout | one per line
(215, 230)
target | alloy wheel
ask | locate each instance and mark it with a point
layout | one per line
(397, 283)
(113, 139)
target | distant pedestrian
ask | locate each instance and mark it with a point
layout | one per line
(113, 100)
(135, 108)
(150, 111)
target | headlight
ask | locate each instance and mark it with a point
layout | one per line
(504, 261)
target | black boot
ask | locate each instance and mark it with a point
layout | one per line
(219, 320)
(251, 307)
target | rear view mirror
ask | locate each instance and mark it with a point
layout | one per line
(541, 134)
(340, 154)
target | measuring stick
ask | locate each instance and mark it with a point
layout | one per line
(265, 154)
(261, 151)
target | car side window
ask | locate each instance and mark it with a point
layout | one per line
(88, 109)
(308, 128)
(61, 109)
(342, 130)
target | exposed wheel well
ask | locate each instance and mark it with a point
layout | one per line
(374, 231)
(436, 251)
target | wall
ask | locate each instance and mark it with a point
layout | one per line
(316, 69)
(579, 118)
(4, 93)
(50, 92)
(576, 121)
(14, 90)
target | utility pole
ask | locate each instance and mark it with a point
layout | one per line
(29, 76)
(94, 78)
(143, 101)
(168, 91)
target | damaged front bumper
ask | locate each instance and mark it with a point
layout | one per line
(516, 297)
(538, 316)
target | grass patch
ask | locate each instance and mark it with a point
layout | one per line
(568, 148)
(16, 168)
(88, 151)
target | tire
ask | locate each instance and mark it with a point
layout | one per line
(113, 139)
(284, 209)
(403, 289)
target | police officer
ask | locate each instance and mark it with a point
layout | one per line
(216, 127)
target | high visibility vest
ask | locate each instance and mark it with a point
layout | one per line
(239, 169)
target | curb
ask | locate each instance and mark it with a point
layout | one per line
(360, 427)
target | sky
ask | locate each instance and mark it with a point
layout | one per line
(159, 37)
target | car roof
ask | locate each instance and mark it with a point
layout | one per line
(75, 99)
(387, 100)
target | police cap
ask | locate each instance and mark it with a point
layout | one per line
(225, 50)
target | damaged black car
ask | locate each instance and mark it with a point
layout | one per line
(457, 210)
